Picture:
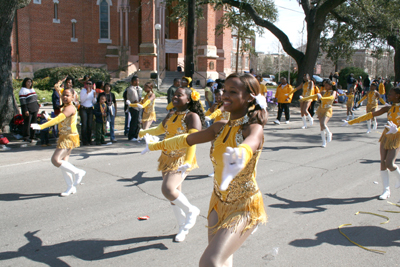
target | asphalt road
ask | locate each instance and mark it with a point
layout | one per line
(308, 192)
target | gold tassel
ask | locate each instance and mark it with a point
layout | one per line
(171, 163)
(69, 141)
(230, 215)
(390, 141)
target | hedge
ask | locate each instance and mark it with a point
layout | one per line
(344, 73)
(76, 72)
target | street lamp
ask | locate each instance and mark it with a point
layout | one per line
(158, 28)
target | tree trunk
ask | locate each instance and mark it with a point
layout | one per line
(394, 42)
(7, 12)
(189, 57)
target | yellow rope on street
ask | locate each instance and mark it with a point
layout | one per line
(364, 212)
(373, 250)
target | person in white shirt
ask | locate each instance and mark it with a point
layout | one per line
(88, 98)
(134, 95)
(30, 108)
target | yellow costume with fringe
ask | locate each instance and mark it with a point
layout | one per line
(392, 141)
(170, 160)
(372, 100)
(68, 133)
(242, 199)
(325, 109)
(149, 114)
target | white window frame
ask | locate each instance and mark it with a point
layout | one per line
(39, 2)
(73, 38)
(56, 19)
(105, 40)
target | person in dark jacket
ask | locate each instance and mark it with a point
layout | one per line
(30, 108)
(100, 112)
(366, 84)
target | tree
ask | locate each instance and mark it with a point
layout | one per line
(8, 9)
(376, 22)
(315, 12)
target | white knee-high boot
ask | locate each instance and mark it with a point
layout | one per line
(352, 116)
(323, 138)
(191, 211)
(369, 126)
(396, 173)
(375, 124)
(328, 135)
(348, 118)
(310, 119)
(181, 218)
(78, 173)
(68, 179)
(304, 122)
(385, 182)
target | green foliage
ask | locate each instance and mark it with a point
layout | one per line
(120, 87)
(344, 73)
(43, 84)
(76, 72)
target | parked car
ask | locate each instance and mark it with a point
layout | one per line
(269, 81)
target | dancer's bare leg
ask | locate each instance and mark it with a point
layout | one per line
(146, 124)
(223, 243)
(391, 156)
(60, 154)
(171, 185)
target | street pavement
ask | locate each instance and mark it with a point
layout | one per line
(308, 192)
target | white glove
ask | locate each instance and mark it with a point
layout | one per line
(300, 97)
(387, 105)
(391, 127)
(233, 164)
(35, 126)
(346, 123)
(128, 102)
(139, 106)
(207, 118)
(183, 168)
(149, 139)
(46, 116)
(319, 96)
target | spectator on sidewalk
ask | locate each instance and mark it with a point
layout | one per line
(366, 84)
(172, 89)
(112, 108)
(29, 107)
(208, 93)
(44, 134)
(134, 95)
(100, 112)
(88, 98)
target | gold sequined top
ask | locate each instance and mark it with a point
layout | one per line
(176, 125)
(307, 91)
(394, 114)
(244, 184)
(327, 100)
(68, 126)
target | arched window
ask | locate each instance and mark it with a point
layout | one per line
(104, 15)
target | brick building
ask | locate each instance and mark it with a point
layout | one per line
(118, 35)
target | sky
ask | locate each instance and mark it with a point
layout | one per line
(290, 21)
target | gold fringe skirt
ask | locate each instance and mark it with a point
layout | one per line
(390, 141)
(371, 107)
(170, 162)
(324, 112)
(149, 116)
(230, 215)
(68, 141)
(349, 104)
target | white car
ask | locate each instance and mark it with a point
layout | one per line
(269, 81)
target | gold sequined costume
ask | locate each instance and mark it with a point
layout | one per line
(242, 199)
(68, 133)
(171, 160)
(372, 100)
(325, 109)
(149, 113)
(392, 141)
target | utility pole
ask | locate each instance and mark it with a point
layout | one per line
(189, 57)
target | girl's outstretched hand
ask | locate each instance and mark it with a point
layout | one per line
(35, 126)
(233, 164)
(346, 123)
(391, 127)
(149, 139)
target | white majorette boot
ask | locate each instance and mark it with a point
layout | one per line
(190, 211)
(385, 182)
(375, 124)
(304, 122)
(78, 173)
(352, 116)
(328, 135)
(369, 126)
(310, 119)
(68, 179)
(348, 118)
(396, 172)
(323, 138)
(181, 218)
